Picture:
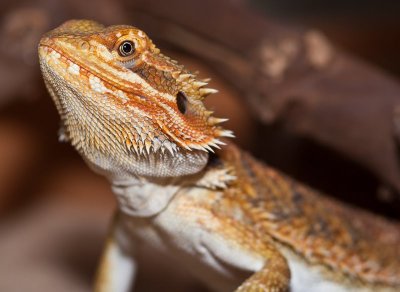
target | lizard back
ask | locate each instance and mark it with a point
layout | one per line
(352, 243)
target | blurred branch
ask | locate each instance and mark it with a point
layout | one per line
(292, 78)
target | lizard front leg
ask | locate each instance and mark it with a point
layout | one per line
(273, 277)
(117, 268)
(228, 246)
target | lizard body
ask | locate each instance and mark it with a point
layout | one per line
(137, 117)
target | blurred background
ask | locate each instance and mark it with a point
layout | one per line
(310, 87)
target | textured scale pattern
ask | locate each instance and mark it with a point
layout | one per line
(153, 96)
(358, 245)
(139, 119)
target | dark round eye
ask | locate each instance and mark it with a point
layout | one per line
(181, 101)
(126, 48)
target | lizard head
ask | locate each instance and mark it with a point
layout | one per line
(118, 96)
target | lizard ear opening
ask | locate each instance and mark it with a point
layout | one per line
(181, 101)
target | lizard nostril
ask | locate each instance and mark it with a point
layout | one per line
(181, 101)
(84, 45)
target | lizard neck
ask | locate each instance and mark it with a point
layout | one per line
(144, 198)
(146, 193)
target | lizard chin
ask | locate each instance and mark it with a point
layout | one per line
(155, 167)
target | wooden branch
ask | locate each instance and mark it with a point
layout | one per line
(292, 78)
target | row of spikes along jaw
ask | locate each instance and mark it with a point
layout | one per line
(170, 119)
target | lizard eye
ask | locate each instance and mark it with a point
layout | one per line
(181, 101)
(126, 48)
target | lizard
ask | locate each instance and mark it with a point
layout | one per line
(183, 187)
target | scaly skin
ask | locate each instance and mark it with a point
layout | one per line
(137, 117)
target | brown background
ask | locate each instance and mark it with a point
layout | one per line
(333, 131)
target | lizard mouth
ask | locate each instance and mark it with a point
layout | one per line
(125, 89)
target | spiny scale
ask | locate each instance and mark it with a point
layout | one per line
(289, 235)
(136, 82)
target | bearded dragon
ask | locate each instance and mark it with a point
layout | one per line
(138, 118)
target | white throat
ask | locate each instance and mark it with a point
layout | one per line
(141, 198)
